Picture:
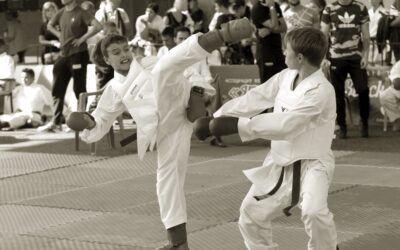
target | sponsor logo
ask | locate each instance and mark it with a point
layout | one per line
(346, 20)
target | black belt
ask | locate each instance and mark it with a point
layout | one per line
(295, 187)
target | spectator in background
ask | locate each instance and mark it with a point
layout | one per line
(178, 16)
(221, 8)
(74, 25)
(243, 49)
(15, 36)
(284, 5)
(300, 16)
(167, 37)
(148, 27)
(390, 97)
(345, 23)
(29, 101)
(317, 5)
(7, 66)
(394, 36)
(50, 41)
(110, 12)
(197, 16)
(375, 14)
(268, 19)
(89, 7)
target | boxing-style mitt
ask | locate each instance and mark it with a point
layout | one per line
(196, 106)
(236, 30)
(201, 128)
(79, 121)
(224, 126)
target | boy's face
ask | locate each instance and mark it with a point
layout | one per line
(291, 58)
(26, 79)
(119, 56)
(168, 41)
(181, 36)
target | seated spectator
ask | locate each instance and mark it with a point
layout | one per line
(148, 28)
(178, 16)
(167, 37)
(50, 41)
(390, 97)
(29, 101)
(15, 36)
(197, 16)
(110, 11)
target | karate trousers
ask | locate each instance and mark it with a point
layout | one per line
(172, 91)
(256, 216)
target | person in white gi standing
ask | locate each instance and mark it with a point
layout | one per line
(158, 96)
(301, 130)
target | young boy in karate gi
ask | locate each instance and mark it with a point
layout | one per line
(157, 95)
(301, 128)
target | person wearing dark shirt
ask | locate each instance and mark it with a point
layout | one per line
(197, 16)
(50, 41)
(73, 22)
(346, 24)
(268, 19)
(239, 9)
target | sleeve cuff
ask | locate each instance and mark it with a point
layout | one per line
(244, 131)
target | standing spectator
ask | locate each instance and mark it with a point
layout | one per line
(221, 8)
(390, 97)
(345, 23)
(89, 7)
(375, 13)
(244, 49)
(148, 27)
(15, 36)
(110, 12)
(300, 16)
(197, 16)
(50, 41)
(394, 36)
(73, 22)
(167, 37)
(268, 19)
(317, 5)
(29, 102)
(7, 66)
(178, 16)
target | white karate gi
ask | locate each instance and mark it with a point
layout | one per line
(157, 98)
(29, 102)
(390, 97)
(300, 128)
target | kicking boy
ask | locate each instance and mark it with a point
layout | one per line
(157, 95)
(301, 128)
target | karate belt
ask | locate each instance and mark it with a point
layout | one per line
(295, 187)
